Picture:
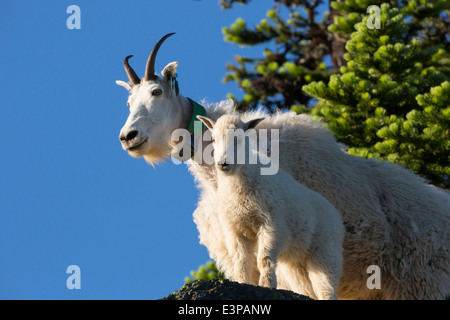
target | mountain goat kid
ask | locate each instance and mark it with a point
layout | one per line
(271, 219)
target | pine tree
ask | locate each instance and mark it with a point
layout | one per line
(427, 20)
(301, 43)
(388, 97)
(430, 130)
(205, 272)
(391, 100)
(301, 48)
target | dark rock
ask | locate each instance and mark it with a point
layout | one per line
(219, 289)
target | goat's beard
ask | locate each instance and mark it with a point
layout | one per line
(158, 153)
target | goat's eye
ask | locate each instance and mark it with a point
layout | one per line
(156, 92)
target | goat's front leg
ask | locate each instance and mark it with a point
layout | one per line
(324, 268)
(240, 263)
(241, 260)
(267, 255)
(244, 261)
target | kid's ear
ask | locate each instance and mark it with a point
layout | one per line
(252, 123)
(124, 84)
(207, 121)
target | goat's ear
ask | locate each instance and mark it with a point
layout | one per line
(207, 121)
(124, 84)
(170, 71)
(252, 123)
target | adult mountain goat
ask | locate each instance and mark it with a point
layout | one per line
(392, 218)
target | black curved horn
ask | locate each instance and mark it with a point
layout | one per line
(132, 76)
(150, 68)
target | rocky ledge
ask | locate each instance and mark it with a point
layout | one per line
(219, 289)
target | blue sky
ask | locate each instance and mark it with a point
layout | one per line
(69, 194)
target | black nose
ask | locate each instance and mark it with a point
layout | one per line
(130, 135)
(224, 166)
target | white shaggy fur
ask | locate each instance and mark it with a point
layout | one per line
(392, 218)
(266, 219)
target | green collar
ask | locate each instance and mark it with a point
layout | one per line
(197, 110)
